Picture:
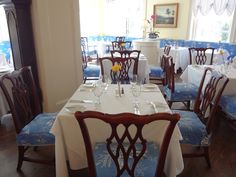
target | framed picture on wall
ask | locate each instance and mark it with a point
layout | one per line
(166, 15)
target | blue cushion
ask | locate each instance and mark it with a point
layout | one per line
(183, 92)
(146, 166)
(92, 71)
(156, 71)
(37, 132)
(228, 105)
(192, 129)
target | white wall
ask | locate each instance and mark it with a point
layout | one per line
(57, 43)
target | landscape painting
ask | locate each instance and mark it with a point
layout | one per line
(166, 15)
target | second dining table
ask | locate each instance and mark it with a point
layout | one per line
(69, 143)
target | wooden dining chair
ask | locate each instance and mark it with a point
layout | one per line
(125, 53)
(127, 153)
(157, 72)
(91, 71)
(197, 126)
(129, 67)
(121, 45)
(90, 54)
(177, 92)
(120, 38)
(31, 124)
(199, 56)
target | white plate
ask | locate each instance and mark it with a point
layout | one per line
(74, 108)
(150, 86)
(89, 85)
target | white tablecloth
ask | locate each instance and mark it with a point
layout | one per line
(4, 108)
(143, 68)
(193, 74)
(69, 144)
(180, 56)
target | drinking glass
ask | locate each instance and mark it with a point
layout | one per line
(133, 80)
(98, 91)
(136, 91)
(105, 81)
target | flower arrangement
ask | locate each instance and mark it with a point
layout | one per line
(115, 69)
(152, 33)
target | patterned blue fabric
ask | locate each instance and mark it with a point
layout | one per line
(192, 129)
(183, 92)
(5, 48)
(230, 47)
(92, 71)
(156, 71)
(228, 105)
(36, 133)
(105, 166)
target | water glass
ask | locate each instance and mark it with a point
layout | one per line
(98, 91)
(136, 91)
(133, 80)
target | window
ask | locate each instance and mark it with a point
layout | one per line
(208, 25)
(112, 17)
(5, 47)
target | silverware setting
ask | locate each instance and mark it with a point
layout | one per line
(81, 101)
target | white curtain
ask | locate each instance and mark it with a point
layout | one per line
(219, 6)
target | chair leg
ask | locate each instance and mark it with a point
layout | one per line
(170, 103)
(188, 105)
(21, 152)
(206, 155)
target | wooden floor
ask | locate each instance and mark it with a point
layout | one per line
(223, 156)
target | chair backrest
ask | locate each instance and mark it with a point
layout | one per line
(125, 53)
(127, 120)
(200, 56)
(128, 66)
(208, 97)
(22, 96)
(169, 72)
(84, 51)
(120, 38)
(167, 49)
(121, 45)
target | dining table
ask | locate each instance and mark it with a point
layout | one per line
(69, 144)
(193, 74)
(4, 108)
(180, 56)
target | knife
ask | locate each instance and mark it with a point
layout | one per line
(81, 101)
(154, 107)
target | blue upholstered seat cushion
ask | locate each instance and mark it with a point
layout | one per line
(92, 71)
(183, 92)
(156, 71)
(192, 129)
(37, 132)
(228, 105)
(146, 166)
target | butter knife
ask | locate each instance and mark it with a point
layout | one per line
(81, 101)
(154, 107)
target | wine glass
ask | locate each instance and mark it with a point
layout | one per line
(133, 80)
(105, 81)
(136, 91)
(98, 91)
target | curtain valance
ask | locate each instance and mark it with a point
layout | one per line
(219, 6)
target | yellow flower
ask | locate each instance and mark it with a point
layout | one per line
(122, 44)
(116, 68)
(222, 52)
